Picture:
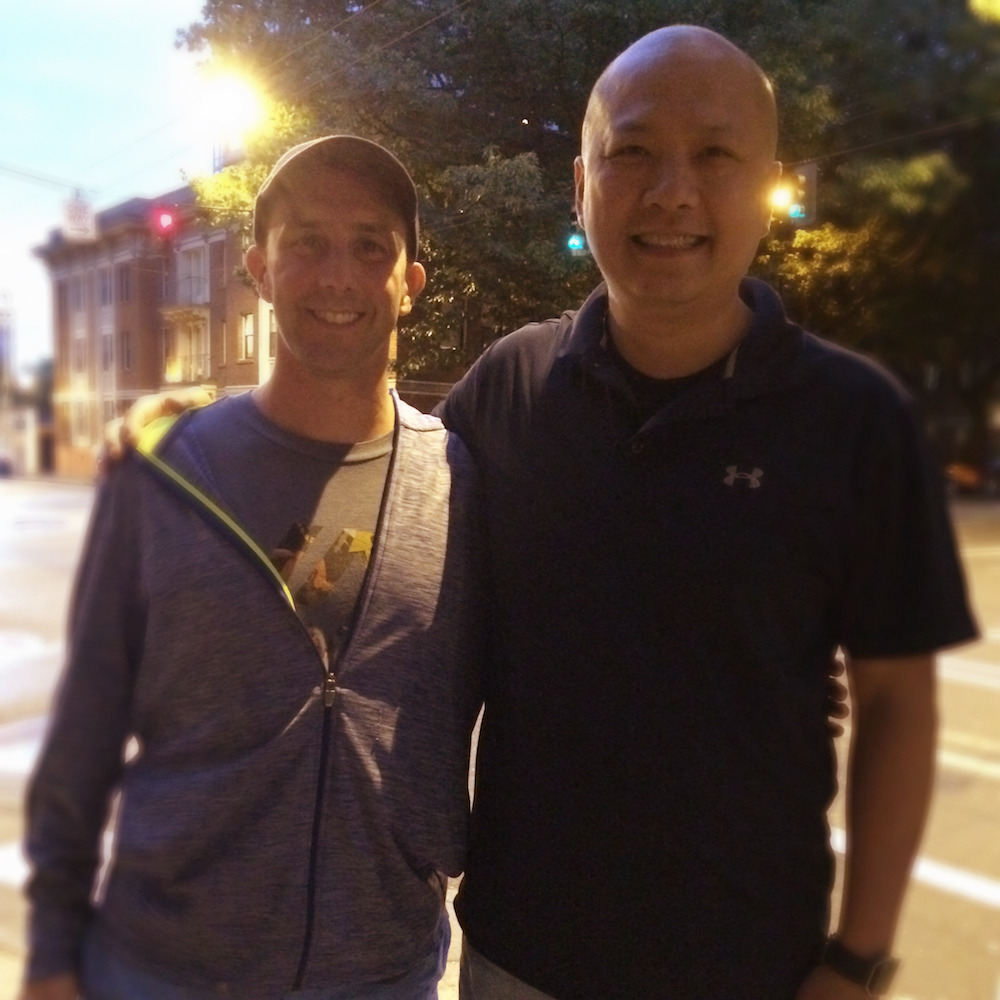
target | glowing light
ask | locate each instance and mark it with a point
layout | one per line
(231, 107)
(219, 109)
(986, 9)
(781, 198)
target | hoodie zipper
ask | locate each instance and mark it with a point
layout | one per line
(329, 694)
(149, 439)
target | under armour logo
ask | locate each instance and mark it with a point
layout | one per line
(734, 474)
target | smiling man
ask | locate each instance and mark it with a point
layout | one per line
(276, 608)
(691, 503)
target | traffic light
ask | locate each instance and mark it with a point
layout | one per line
(576, 241)
(795, 196)
(164, 222)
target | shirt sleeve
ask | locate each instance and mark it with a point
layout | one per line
(80, 763)
(906, 593)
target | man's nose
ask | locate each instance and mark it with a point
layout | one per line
(673, 185)
(336, 270)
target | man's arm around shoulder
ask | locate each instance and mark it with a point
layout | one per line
(890, 778)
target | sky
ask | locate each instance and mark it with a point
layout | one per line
(96, 96)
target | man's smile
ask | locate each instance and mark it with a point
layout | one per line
(337, 317)
(686, 241)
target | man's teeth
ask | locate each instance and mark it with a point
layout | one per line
(337, 317)
(671, 242)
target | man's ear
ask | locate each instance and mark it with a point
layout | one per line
(578, 187)
(416, 278)
(256, 263)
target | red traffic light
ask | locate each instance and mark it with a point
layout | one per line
(164, 221)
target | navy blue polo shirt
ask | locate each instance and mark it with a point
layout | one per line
(654, 763)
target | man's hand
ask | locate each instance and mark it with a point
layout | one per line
(121, 433)
(64, 987)
(836, 697)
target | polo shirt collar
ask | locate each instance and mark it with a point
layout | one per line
(766, 359)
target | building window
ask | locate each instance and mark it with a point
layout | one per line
(107, 351)
(272, 334)
(109, 410)
(104, 285)
(81, 422)
(126, 350)
(124, 282)
(76, 294)
(79, 354)
(62, 301)
(192, 276)
(246, 337)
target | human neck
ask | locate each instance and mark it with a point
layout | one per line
(342, 411)
(676, 341)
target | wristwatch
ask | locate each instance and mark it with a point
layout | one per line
(874, 974)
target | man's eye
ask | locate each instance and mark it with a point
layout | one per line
(373, 249)
(626, 152)
(308, 243)
(718, 152)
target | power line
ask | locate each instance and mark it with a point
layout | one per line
(38, 178)
(943, 129)
(386, 45)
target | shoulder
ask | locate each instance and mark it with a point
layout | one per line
(779, 355)
(426, 432)
(413, 419)
(507, 376)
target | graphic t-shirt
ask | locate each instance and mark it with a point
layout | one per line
(313, 506)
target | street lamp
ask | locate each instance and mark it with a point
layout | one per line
(224, 108)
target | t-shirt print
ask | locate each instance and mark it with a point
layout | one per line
(324, 568)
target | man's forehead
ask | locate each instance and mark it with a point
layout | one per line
(323, 202)
(689, 73)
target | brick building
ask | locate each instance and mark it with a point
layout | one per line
(154, 299)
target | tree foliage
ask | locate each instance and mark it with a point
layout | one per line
(896, 101)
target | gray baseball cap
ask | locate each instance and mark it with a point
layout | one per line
(368, 159)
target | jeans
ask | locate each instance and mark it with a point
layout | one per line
(106, 977)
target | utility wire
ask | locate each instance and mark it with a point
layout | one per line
(943, 129)
(38, 178)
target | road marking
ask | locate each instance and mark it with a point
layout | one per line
(970, 765)
(18, 646)
(977, 673)
(971, 741)
(18, 758)
(981, 551)
(956, 881)
(13, 867)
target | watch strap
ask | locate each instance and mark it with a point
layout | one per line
(874, 974)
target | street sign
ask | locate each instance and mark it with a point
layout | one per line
(79, 221)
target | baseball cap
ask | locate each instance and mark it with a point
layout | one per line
(368, 159)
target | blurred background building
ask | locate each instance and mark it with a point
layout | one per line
(148, 297)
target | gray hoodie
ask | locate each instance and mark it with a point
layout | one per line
(265, 840)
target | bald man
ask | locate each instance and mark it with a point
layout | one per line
(690, 503)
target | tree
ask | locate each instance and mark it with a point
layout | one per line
(484, 101)
(904, 262)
